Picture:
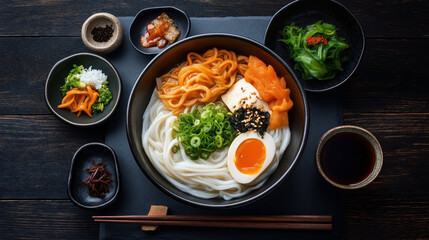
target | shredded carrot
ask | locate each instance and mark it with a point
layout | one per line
(271, 89)
(78, 100)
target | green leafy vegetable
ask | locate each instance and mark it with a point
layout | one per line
(204, 131)
(103, 99)
(316, 57)
(72, 80)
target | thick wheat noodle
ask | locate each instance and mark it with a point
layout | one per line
(202, 178)
(201, 79)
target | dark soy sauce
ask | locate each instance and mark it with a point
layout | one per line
(347, 158)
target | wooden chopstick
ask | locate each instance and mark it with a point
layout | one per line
(291, 222)
(223, 224)
(247, 218)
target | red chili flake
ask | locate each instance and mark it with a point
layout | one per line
(315, 40)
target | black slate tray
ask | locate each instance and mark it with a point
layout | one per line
(303, 192)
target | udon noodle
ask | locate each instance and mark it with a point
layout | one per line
(200, 79)
(202, 178)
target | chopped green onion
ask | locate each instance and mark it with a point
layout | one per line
(207, 127)
(204, 155)
(206, 114)
(188, 150)
(204, 130)
(175, 148)
(176, 128)
(195, 142)
(220, 117)
(218, 140)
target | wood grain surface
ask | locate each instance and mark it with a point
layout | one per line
(45, 219)
(388, 95)
(380, 19)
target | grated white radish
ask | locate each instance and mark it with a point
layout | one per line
(93, 77)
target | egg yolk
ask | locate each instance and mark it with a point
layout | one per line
(250, 156)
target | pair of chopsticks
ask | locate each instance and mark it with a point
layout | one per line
(291, 222)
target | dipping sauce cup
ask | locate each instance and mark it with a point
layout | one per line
(349, 157)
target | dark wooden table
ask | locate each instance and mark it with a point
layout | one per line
(388, 95)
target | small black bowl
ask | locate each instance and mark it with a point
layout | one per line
(145, 16)
(56, 78)
(306, 12)
(82, 159)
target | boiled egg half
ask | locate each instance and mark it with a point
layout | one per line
(249, 155)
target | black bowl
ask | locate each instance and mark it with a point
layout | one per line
(306, 12)
(145, 16)
(56, 78)
(82, 159)
(175, 54)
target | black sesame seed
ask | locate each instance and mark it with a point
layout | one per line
(250, 119)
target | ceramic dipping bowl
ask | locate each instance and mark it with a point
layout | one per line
(82, 159)
(145, 16)
(56, 78)
(340, 163)
(101, 20)
(306, 12)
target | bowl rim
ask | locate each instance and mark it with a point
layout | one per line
(224, 205)
(118, 185)
(96, 123)
(353, 17)
(188, 28)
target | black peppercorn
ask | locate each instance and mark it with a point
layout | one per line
(102, 34)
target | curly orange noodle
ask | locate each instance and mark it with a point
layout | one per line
(271, 89)
(201, 79)
(78, 100)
